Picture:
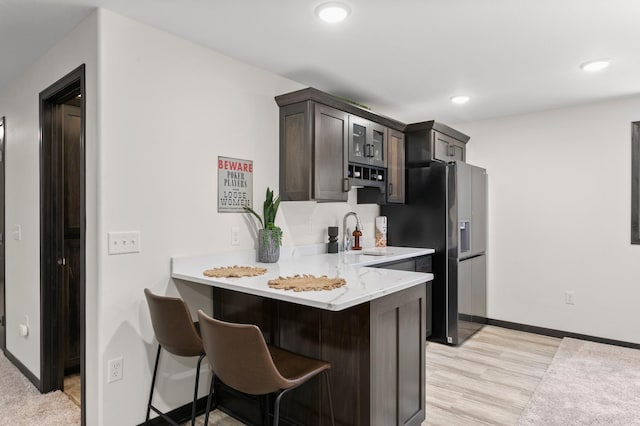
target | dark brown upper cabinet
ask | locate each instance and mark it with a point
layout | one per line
(446, 148)
(432, 141)
(328, 145)
(313, 152)
(395, 166)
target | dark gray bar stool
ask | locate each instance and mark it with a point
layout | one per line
(177, 334)
(240, 357)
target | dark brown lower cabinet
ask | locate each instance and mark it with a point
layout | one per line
(376, 350)
(398, 344)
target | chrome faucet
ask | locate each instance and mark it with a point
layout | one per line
(346, 237)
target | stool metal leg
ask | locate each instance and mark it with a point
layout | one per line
(276, 411)
(153, 383)
(195, 392)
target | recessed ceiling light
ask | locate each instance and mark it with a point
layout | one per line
(593, 66)
(333, 12)
(460, 99)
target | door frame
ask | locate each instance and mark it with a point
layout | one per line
(3, 238)
(51, 326)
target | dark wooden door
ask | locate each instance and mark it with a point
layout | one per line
(2, 238)
(62, 232)
(71, 127)
(446, 148)
(296, 169)
(396, 166)
(330, 154)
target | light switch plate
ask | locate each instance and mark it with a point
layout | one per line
(124, 242)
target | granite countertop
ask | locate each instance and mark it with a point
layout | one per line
(364, 283)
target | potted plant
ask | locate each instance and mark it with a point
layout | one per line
(270, 236)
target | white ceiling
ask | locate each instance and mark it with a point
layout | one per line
(403, 58)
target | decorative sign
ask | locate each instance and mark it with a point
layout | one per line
(235, 184)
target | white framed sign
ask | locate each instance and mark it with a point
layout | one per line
(235, 184)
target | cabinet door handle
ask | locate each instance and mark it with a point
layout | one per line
(390, 188)
(345, 185)
(452, 150)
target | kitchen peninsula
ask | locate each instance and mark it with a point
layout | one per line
(372, 330)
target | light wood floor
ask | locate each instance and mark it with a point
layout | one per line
(488, 380)
(72, 388)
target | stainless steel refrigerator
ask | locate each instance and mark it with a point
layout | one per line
(446, 209)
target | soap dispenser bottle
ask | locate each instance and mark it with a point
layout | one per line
(356, 239)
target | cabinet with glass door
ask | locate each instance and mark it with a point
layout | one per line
(367, 142)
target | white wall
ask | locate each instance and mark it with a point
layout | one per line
(19, 103)
(168, 108)
(159, 112)
(559, 200)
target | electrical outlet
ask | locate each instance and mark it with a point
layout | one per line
(124, 242)
(235, 236)
(115, 369)
(570, 297)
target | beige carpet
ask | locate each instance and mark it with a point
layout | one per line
(22, 404)
(587, 384)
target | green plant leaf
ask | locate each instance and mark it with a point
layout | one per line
(276, 204)
(269, 212)
(250, 210)
(266, 207)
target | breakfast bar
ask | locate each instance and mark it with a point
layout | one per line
(372, 330)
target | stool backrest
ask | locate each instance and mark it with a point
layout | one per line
(173, 326)
(239, 356)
